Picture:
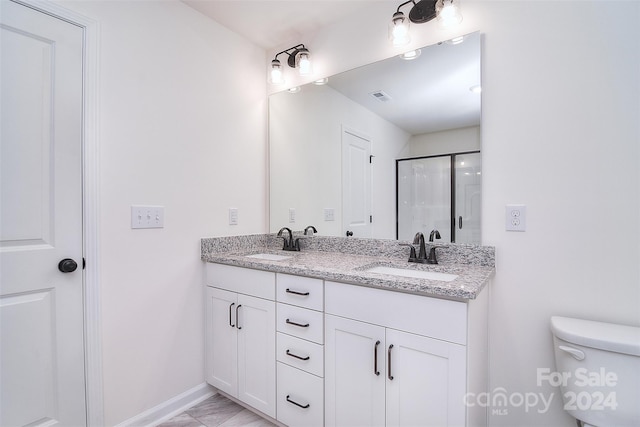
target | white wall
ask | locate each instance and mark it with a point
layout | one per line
(182, 117)
(560, 132)
(444, 142)
(306, 150)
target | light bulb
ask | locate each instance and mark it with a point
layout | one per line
(449, 15)
(304, 64)
(399, 29)
(276, 77)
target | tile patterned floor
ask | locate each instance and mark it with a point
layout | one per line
(217, 411)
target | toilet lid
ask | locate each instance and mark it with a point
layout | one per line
(604, 336)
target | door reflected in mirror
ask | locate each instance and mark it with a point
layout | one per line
(423, 107)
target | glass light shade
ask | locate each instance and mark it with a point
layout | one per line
(276, 77)
(304, 64)
(449, 14)
(399, 29)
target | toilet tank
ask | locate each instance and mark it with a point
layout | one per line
(598, 370)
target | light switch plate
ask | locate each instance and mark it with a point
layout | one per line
(292, 215)
(515, 218)
(329, 214)
(143, 216)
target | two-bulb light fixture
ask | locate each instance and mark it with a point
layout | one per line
(298, 57)
(446, 12)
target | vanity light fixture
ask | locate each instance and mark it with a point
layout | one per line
(298, 57)
(447, 13)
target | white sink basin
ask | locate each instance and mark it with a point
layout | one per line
(269, 257)
(418, 274)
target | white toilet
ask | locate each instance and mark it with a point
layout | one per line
(598, 370)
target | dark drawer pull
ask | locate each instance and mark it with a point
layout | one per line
(389, 357)
(296, 356)
(230, 307)
(237, 318)
(297, 404)
(375, 358)
(297, 324)
(304, 294)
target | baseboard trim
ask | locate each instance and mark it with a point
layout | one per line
(170, 408)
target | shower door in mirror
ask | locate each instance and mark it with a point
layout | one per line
(439, 193)
(467, 198)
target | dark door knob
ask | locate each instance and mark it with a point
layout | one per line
(349, 233)
(67, 265)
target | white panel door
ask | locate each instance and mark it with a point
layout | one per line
(41, 308)
(256, 325)
(426, 381)
(354, 373)
(222, 340)
(356, 184)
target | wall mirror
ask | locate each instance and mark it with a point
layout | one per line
(334, 146)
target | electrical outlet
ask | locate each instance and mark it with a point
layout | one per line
(147, 216)
(515, 218)
(233, 216)
(329, 214)
(292, 215)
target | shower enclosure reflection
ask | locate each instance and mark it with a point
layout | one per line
(440, 193)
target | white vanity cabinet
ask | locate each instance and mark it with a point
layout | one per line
(300, 350)
(240, 335)
(396, 359)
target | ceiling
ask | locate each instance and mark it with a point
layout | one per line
(271, 23)
(426, 99)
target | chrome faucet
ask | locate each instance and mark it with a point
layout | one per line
(289, 243)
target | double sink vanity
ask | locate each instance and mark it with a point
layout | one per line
(346, 332)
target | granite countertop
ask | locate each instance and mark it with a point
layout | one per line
(351, 268)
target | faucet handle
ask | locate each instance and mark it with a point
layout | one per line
(431, 258)
(412, 252)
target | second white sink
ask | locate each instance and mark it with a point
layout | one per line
(269, 257)
(418, 274)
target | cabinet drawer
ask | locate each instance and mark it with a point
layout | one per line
(301, 291)
(300, 322)
(300, 399)
(261, 284)
(300, 353)
(432, 317)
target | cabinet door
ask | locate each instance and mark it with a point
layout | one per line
(256, 326)
(354, 383)
(428, 382)
(221, 340)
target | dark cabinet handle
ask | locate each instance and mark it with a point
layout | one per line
(349, 233)
(230, 307)
(297, 324)
(297, 404)
(67, 265)
(375, 358)
(460, 222)
(296, 356)
(389, 367)
(304, 294)
(237, 318)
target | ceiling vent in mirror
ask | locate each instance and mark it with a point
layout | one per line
(380, 96)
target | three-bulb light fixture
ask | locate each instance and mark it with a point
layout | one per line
(298, 57)
(446, 12)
